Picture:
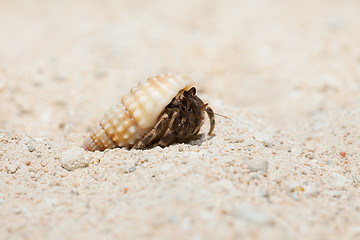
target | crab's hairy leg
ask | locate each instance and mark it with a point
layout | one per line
(185, 128)
(157, 131)
(170, 135)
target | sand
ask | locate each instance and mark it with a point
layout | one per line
(285, 166)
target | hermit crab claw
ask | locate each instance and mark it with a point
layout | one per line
(211, 116)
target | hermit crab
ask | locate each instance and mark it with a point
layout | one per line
(160, 111)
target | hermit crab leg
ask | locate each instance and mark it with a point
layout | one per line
(158, 130)
(168, 137)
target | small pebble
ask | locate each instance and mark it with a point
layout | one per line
(11, 167)
(256, 164)
(266, 139)
(100, 73)
(294, 195)
(68, 130)
(38, 139)
(254, 175)
(74, 192)
(310, 191)
(338, 181)
(50, 202)
(264, 194)
(144, 160)
(38, 80)
(310, 148)
(236, 139)
(31, 146)
(248, 213)
(59, 77)
(54, 183)
(73, 159)
(17, 211)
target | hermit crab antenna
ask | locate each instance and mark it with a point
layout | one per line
(217, 114)
(207, 109)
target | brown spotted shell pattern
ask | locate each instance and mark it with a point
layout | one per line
(124, 124)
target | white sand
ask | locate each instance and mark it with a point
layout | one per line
(285, 167)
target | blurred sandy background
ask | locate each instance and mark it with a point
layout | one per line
(293, 65)
(285, 60)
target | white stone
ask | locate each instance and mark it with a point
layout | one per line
(68, 130)
(73, 159)
(338, 181)
(264, 138)
(256, 164)
(31, 146)
(38, 80)
(236, 139)
(249, 214)
(11, 167)
(310, 191)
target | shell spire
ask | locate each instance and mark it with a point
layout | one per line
(124, 124)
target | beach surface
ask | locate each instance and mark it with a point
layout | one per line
(284, 164)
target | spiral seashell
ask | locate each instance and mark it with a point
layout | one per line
(125, 123)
